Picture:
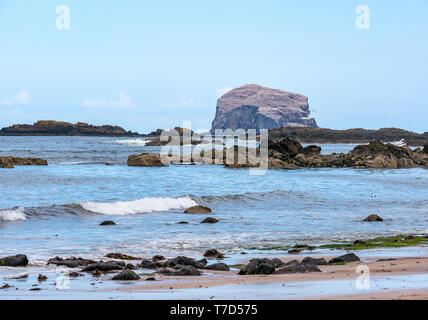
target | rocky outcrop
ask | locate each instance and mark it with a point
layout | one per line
(145, 160)
(19, 260)
(255, 107)
(9, 162)
(56, 128)
(72, 262)
(321, 135)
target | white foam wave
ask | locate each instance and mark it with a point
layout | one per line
(15, 214)
(131, 142)
(145, 205)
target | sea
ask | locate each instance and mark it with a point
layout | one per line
(55, 210)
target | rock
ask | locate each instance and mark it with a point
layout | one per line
(19, 260)
(42, 278)
(311, 150)
(158, 258)
(213, 253)
(218, 267)
(75, 274)
(287, 147)
(180, 270)
(317, 262)
(198, 209)
(184, 261)
(292, 263)
(349, 257)
(6, 286)
(183, 222)
(258, 266)
(151, 279)
(72, 262)
(126, 275)
(359, 242)
(294, 251)
(255, 107)
(148, 264)
(278, 263)
(120, 256)
(10, 162)
(55, 128)
(96, 273)
(298, 268)
(425, 150)
(107, 223)
(105, 266)
(210, 220)
(373, 218)
(7, 166)
(145, 160)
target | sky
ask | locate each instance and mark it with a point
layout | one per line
(145, 65)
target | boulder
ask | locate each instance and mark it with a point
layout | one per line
(255, 107)
(148, 264)
(349, 257)
(42, 278)
(214, 253)
(107, 223)
(218, 267)
(158, 258)
(185, 261)
(180, 270)
(287, 147)
(126, 275)
(258, 266)
(373, 218)
(425, 150)
(317, 262)
(120, 256)
(19, 260)
(298, 268)
(72, 262)
(198, 210)
(145, 160)
(210, 220)
(311, 150)
(105, 266)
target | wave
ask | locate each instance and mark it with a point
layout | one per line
(15, 214)
(145, 205)
(131, 142)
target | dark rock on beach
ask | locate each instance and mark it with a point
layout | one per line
(19, 260)
(218, 267)
(120, 256)
(126, 275)
(349, 257)
(198, 210)
(158, 258)
(145, 160)
(105, 266)
(57, 128)
(149, 264)
(181, 270)
(185, 261)
(298, 268)
(10, 162)
(107, 223)
(314, 261)
(258, 266)
(214, 253)
(72, 262)
(373, 218)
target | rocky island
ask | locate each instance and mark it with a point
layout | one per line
(57, 128)
(255, 107)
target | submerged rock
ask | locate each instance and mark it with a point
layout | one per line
(180, 270)
(198, 209)
(42, 278)
(158, 258)
(373, 218)
(107, 223)
(314, 261)
(126, 275)
(9, 162)
(258, 266)
(19, 260)
(349, 257)
(214, 253)
(105, 266)
(210, 220)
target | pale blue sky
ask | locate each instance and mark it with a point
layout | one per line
(146, 65)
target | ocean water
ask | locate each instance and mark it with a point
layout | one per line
(56, 210)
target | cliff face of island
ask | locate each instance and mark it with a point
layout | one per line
(55, 128)
(256, 107)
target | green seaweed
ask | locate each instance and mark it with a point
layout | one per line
(380, 242)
